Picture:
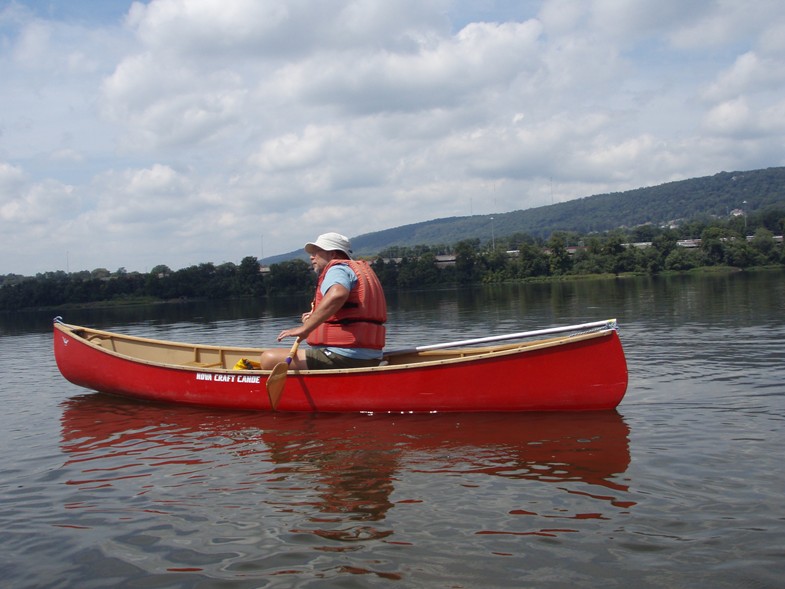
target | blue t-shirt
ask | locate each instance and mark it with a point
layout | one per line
(345, 276)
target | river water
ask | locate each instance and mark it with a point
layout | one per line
(682, 486)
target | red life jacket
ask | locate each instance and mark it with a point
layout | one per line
(360, 322)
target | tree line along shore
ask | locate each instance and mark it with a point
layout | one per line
(733, 243)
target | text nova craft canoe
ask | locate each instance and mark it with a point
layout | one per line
(577, 368)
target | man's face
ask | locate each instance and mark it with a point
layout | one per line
(320, 259)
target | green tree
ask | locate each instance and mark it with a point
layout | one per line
(763, 242)
(560, 261)
(386, 271)
(741, 254)
(249, 280)
(682, 258)
(100, 273)
(587, 262)
(291, 277)
(714, 243)
(532, 261)
(466, 261)
(663, 244)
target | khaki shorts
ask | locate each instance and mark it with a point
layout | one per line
(321, 359)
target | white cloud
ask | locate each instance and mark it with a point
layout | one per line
(11, 178)
(726, 24)
(160, 106)
(750, 74)
(292, 151)
(27, 207)
(182, 131)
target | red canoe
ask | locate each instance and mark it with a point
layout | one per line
(581, 371)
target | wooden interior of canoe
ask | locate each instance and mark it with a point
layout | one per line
(208, 357)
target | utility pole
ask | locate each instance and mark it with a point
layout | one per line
(744, 212)
(551, 189)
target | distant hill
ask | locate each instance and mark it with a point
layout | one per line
(715, 195)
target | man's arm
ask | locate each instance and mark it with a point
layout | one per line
(333, 300)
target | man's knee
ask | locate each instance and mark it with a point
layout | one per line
(273, 356)
(270, 358)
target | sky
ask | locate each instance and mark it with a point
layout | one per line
(182, 132)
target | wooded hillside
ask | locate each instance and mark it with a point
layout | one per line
(716, 195)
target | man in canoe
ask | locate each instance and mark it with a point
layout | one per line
(345, 327)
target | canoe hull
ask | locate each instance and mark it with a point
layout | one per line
(581, 375)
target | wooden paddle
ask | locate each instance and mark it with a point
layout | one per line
(277, 378)
(607, 324)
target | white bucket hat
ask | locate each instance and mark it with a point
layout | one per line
(330, 242)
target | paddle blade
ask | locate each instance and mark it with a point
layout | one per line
(277, 378)
(276, 382)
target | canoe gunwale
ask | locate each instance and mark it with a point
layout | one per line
(95, 338)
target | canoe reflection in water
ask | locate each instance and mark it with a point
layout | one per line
(337, 476)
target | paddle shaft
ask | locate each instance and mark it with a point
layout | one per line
(293, 351)
(609, 323)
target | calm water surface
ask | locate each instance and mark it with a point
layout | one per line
(681, 487)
